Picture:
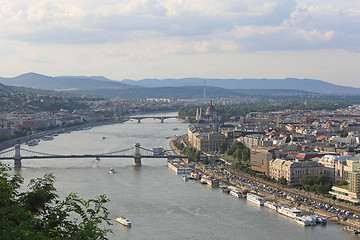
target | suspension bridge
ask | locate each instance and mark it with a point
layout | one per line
(136, 153)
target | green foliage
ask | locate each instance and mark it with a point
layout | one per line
(321, 184)
(223, 147)
(179, 146)
(38, 214)
(192, 152)
(282, 181)
(340, 183)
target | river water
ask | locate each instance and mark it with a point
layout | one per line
(158, 203)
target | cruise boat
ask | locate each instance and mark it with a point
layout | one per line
(351, 229)
(212, 182)
(318, 219)
(305, 221)
(237, 194)
(255, 199)
(290, 212)
(124, 221)
(179, 167)
(195, 175)
(271, 205)
(32, 142)
(47, 138)
(159, 151)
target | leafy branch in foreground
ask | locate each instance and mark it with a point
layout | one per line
(39, 214)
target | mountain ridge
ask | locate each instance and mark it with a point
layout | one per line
(35, 80)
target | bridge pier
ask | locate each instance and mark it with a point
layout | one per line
(162, 120)
(137, 155)
(139, 120)
(17, 157)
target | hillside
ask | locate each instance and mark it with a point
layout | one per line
(310, 85)
(34, 80)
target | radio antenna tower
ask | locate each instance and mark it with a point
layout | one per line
(204, 90)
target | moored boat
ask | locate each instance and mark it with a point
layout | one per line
(290, 212)
(351, 229)
(32, 142)
(255, 199)
(47, 138)
(305, 221)
(237, 194)
(124, 221)
(195, 175)
(271, 205)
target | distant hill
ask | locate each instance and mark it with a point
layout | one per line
(34, 80)
(311, 85)
(191, 92)
(178, 88)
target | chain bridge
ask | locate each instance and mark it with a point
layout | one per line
(136, 152)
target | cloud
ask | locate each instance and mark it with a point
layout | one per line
(192, 25)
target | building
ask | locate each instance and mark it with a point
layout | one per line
(293, 171)
(344, 194)
(260, 158)
(335, 166)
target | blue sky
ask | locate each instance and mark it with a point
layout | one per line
(139, 39)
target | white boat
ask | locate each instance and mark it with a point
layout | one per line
(47, 138)
(33, 142)
(124, 221)
(255, 199)
(271, 205)
(290, 212)
(305, 221)
(237, 194)
(184, 178)
(112, 171)
(195, 175)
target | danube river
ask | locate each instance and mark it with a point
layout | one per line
(158, 203)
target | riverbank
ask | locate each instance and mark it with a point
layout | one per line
(10, 143)
(307, 206)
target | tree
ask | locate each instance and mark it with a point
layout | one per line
(282, 181)
(223, 147)
(38, 214)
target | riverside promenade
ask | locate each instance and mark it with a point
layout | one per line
(292, 191)
(10, 143)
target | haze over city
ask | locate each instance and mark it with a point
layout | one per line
(175, 39)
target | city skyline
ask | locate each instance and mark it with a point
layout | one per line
(176, 39)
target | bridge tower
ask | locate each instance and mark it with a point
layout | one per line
(17, 157)
(137, 155)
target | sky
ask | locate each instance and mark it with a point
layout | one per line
(137, 39)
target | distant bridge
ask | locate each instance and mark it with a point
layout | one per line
(161, 118)
(136, 152)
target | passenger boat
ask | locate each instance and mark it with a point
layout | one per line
(195, 175)
(159, 151)
(305, 221)
(318, 219)
(271, 205)
(290, 212)
(255, 199)
(124, 221)
(225, 190)
(47, 138)
(32, 142)
(212, 182)
(351, 229)
(236, 194)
